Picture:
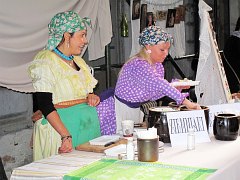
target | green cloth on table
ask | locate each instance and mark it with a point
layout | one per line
(112, 169)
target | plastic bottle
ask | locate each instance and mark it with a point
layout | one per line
(124, 26)
(190, 139)
(130, 149)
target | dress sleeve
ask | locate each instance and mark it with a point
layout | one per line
(45, 103)
(42, 76)
(153, 82)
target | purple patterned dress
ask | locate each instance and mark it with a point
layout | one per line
(138, 81)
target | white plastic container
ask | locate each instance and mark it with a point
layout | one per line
(130, 149)
(191, 139)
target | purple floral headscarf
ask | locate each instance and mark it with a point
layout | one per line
(154, 34)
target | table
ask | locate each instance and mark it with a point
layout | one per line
(221, 155)
(55, 167)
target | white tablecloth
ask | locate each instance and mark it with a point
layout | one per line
(55, 167)
(221, 155)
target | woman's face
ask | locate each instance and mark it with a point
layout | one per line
(150, 18)
(159, 51)
(78, 42)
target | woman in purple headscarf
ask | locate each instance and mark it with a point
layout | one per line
(141, 79)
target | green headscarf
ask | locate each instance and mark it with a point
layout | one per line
(64, 22)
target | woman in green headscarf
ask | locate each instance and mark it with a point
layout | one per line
(64, 89)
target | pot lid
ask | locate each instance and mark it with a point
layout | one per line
(162, 109)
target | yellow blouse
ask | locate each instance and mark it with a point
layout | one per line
(51, 74)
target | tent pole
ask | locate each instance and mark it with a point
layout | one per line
(108, 66)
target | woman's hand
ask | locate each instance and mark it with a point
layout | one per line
(93, 100)
(66, 145)
(191, 105)
(236, 95)
(37, 116)
(54, 119)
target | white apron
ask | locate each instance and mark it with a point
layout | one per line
(123, 112)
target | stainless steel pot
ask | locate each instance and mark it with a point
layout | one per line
(226, 126)
(147, 149)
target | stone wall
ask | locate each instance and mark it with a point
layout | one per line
(15, 149)
(15, 129)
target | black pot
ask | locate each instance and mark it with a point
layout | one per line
(226, 126)
(204, 108)
(157, 118)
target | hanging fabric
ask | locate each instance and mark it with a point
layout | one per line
(24, 32)
(213, 88)
(155, 7)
